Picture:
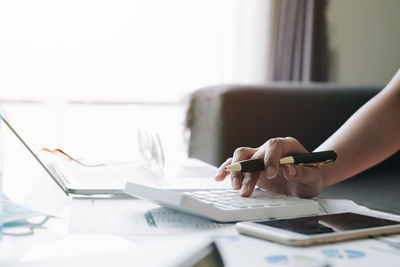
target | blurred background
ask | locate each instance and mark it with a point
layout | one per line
(158, 51)
(85, 75)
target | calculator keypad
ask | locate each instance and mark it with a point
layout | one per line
(230, 199)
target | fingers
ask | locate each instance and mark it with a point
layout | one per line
(300, 174)
(289, 172)
(302, 181)
(305, 181)
(249, 183)
(250, 179)
(297, 180)
(221, 174)
(277, 148)
(240, 154)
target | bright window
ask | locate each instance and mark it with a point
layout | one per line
(129, 50)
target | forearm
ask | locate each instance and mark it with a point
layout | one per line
(371, 135)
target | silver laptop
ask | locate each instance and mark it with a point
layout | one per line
(107, 179)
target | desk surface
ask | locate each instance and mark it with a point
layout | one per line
(57, 245)
(378, 190)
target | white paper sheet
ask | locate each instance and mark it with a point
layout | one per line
(128, 218)
(379, 251)
(247, 251)
(107, 250)
(137, 217)
(338, 206)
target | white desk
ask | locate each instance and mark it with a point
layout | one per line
(54, 246)
(110, 245)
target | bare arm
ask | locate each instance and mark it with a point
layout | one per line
(371, 135)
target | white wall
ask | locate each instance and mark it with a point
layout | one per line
(364, 39)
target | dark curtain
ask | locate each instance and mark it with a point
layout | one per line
(299, 40)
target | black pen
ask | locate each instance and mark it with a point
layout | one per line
(309, 159)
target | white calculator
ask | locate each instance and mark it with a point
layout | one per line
(226, 205)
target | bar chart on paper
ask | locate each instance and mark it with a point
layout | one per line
(292, 260)
(163, 217)
(302, 259)
(343, 253)
(382, 251)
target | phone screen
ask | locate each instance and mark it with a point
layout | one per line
(329, 223)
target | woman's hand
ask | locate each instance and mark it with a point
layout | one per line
(301, 181)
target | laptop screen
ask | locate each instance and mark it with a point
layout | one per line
(46, 168)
